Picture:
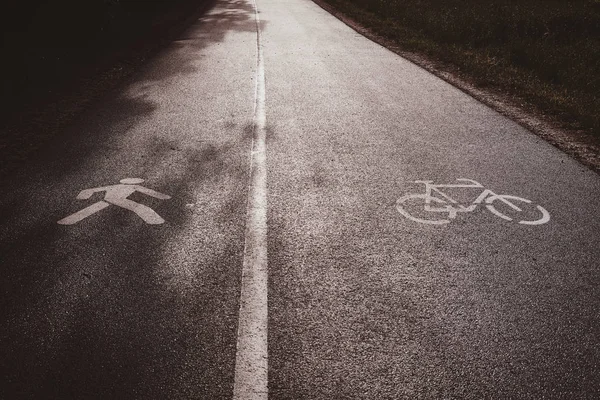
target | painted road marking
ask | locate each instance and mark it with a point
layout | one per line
(251, 362)
(117, 195)
(434, 200)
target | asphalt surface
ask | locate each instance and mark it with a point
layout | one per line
(364, 303)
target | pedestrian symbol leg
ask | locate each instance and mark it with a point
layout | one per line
(144, 212)
(86, 212)
(117, 195)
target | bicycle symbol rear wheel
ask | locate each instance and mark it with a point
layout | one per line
(403, 204)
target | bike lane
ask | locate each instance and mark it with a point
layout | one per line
(112, 305)
(365, 303)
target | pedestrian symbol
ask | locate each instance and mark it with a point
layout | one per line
(117, 195)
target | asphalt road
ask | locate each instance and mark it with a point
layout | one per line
(365, 300)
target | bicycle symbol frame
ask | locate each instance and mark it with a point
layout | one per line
(436, 201)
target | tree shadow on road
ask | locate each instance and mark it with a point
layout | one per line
(113, 307)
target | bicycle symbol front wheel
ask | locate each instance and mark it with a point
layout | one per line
(509, 208)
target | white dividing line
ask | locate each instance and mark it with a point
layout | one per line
(251, 362)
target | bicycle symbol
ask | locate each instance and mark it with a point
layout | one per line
(436, 201)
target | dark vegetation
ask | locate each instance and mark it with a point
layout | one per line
(545, 52)
(60, 55)
(50, 44)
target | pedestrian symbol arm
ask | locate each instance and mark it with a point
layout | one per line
(87, 193)
(152, 193)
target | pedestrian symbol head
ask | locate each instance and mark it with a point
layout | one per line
(131, 181)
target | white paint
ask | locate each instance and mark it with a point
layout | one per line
(446, 204)
(505, 198)
(117, 195)
(251, 363)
